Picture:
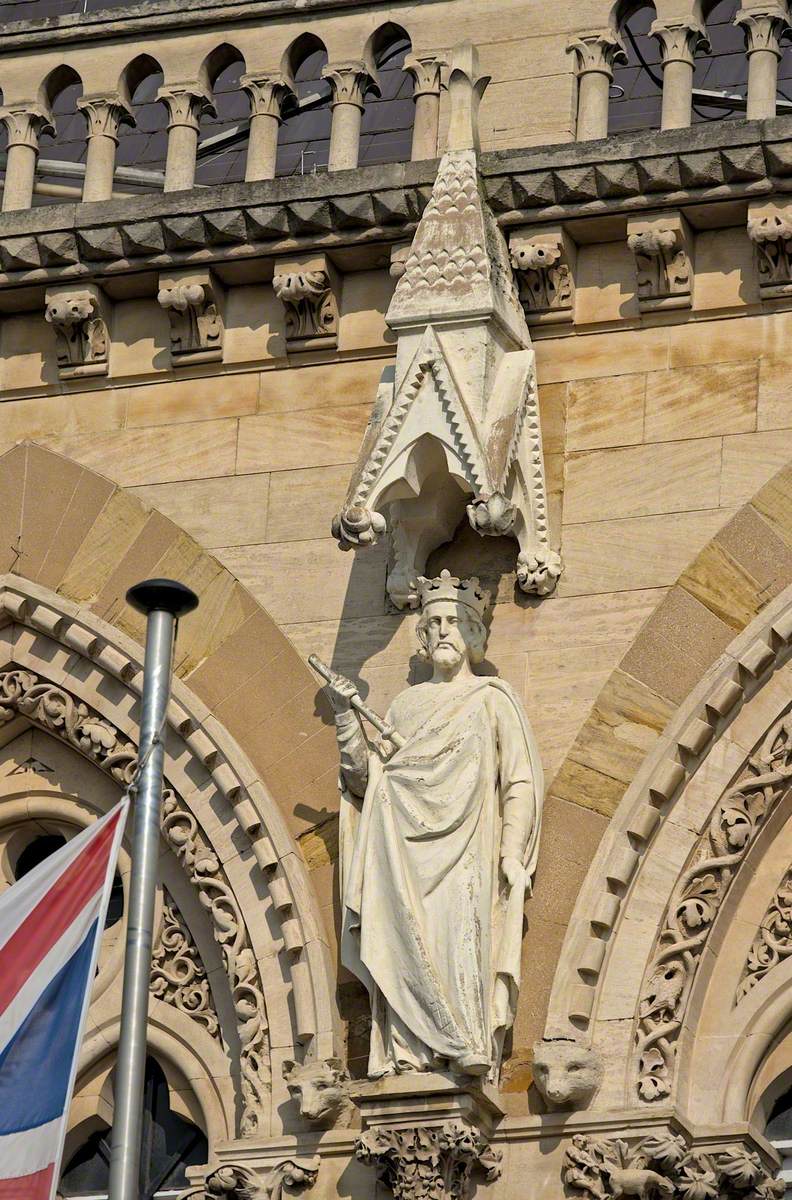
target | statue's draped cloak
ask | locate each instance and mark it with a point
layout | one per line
(429, 924)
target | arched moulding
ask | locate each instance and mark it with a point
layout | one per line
(603, 979)
(218, 818)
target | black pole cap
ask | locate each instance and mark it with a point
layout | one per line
(163, 595)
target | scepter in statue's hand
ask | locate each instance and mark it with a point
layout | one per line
(346, 688)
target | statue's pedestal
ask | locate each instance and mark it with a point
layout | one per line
(425, 1100)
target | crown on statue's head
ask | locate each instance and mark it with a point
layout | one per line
(460, 591)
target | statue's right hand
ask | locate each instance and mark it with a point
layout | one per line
(340, 692)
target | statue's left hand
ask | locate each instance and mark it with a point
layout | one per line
(513, 870)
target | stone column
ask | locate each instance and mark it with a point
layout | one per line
(763, 28)
(185, 102)
(350, 83)
(597, 53)
(104, 116)
(24, 122)
(426, 71)
(679, 43)
(267, 92)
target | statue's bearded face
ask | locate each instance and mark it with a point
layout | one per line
(447, 633)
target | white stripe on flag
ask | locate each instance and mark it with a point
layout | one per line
(48, 968)
(18, 902)
(25, 1153)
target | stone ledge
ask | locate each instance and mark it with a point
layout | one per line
(382, 204)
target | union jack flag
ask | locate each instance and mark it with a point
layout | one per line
(51, 924)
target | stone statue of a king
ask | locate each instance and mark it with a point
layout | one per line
(439, 840)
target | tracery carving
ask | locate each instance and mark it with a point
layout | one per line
(177, 974)
(695, 903)
(773, 943)
(196, 326)
(431, 1163)
(56, 710)
(664, 267)
(311, 307)
(80, 330)
(772, 236)
(664, 1165)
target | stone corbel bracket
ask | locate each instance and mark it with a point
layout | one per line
(193, 302)
(309, 290)
(663, 249)
(770, 230)
(80, 316)
(544, 261)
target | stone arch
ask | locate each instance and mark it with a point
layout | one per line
(70, 562)
(705, 690)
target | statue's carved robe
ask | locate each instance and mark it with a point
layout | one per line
(429, 923)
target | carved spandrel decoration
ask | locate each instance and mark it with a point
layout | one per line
(543, 266)
(431, 1163)
(465, 737)
(455, 426)
(309, 294)
(738, 817)
(662, 1165)
(196, 325)
(773, 942)
(664, 262)
(55, 709)
(178, 976)
(79, 318)
(771, 234)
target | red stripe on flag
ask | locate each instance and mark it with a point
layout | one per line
(28, 1187)
(52, 916)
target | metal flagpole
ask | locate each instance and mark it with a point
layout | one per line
(163, 601)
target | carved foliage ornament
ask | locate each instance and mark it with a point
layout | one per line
(432, 1163)
(663, 266)
(544, 279)
(177, 974)
(773, 943)
(196, 327)
(81, 333)
(311, 308)
(57, 711)
(235, 1182)
(772, 236)
(665, 1165)
(734, 824)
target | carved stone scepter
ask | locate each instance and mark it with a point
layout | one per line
(373, 718)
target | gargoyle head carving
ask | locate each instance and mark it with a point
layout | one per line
(566, 1074)
(321, 1090)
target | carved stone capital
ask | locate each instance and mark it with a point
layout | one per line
(350, 83)
(236, 1182)
(763, 29)
(436, 1161)
(308, 291)
(25, 123)
(78, 316)
(770, 229)
(105, 115)
(680, 41)
(598, 52)
(427, 73)
(663, 251)
(543, 263)
(191, 300)
(267, 92)
(186, 103)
